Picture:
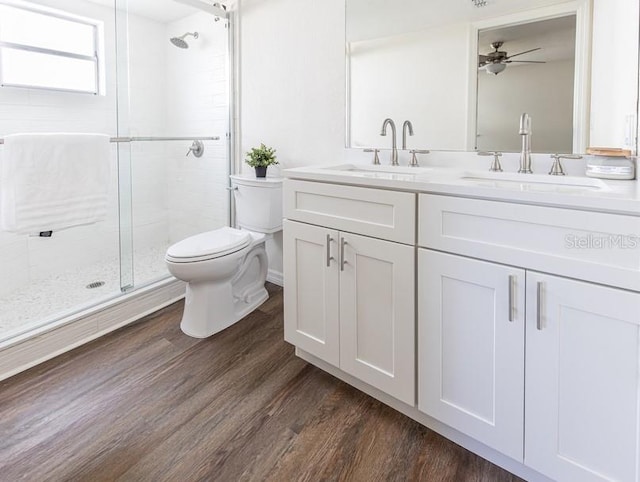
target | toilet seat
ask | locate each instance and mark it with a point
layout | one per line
(209, 245)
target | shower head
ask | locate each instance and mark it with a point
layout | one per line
(180, 42)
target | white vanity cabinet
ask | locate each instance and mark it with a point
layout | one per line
(574, 351)
(471, 348)
(349, 298)
(311, 309)
(582, 407)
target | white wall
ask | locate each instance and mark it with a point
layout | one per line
(292, 79)
(291, 83)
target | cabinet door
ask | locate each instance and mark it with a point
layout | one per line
(583, 380)
(377, 314)
(471, 321)
(311, 290)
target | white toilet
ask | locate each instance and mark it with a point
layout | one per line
(226, 269)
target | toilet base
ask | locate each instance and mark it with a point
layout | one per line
(212, 306)
(210, 309)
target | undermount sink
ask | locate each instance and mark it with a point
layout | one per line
(381, 172)
(533, 182)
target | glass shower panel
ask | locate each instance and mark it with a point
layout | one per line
(47, 279)
(178, 92)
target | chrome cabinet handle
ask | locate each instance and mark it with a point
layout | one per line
(329, 257)
(512, 296)
(539, 305)
(343, 261)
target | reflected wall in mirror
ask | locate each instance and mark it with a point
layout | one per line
(527, 68)
(420, 62)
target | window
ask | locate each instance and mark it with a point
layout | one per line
(48, 49)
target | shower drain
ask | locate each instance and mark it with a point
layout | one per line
(95, 284)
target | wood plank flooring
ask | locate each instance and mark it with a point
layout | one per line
(147, 403)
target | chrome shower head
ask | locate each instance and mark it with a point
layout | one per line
(180, 42)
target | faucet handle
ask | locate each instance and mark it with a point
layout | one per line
(414, 158)
(495, 165)
(556, 167)
(197, 147)
(376, 159)
(566, 156)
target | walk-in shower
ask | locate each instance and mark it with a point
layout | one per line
(152, 112)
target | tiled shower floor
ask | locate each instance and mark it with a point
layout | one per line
(52, 298)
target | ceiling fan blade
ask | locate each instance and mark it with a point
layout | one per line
(524, 61)
(525, 52)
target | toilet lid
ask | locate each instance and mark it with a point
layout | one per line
(211, 244)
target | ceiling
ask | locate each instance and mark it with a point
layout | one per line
(163, 11)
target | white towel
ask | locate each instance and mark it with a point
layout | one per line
(50, 182)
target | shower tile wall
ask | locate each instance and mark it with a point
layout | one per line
(175, 196)
(147, 118)
(198, 104)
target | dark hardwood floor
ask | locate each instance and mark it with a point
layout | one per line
(149, 403)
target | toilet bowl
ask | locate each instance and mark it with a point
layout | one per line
(225, 269)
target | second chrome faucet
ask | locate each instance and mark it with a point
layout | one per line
(525, 155)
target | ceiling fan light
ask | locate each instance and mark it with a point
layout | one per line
(495, 68)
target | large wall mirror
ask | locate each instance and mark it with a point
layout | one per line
(463, 74)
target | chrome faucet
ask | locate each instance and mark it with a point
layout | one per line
(394, 145)
(407, 125)
(525, 156)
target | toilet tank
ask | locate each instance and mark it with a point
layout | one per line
(258, 203)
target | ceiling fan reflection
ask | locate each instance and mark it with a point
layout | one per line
(496, 61)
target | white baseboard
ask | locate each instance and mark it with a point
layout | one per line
(28, 350)
(275, 277)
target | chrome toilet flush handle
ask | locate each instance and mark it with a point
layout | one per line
(495, 165)
(197, 147)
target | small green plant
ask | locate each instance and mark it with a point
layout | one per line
(262, 156)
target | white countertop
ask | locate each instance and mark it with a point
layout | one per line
(574, 192)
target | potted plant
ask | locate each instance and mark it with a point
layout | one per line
(260, 158)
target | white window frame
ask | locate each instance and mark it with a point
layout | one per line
(98, 48)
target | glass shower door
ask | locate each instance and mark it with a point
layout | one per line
(178, 93)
